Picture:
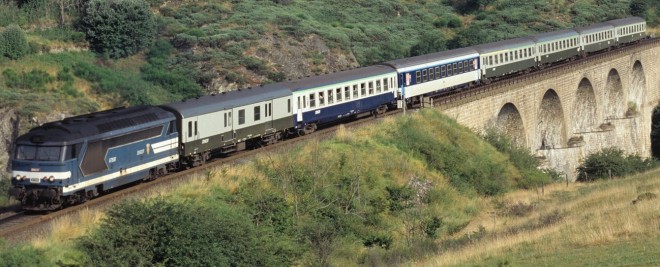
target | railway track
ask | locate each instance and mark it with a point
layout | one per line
(17, 226)
(21, 226)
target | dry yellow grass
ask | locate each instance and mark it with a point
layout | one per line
(65, 229)
(600, 214)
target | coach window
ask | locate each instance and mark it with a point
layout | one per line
(241, 117)
(371, 88)
(257, 113)
(190, 129)
(437, 72)
(460, 67)
(338, 94)
(431, 74)
(444, 70)
(321, 99)
(506, 58)
(288, 105)
(424, 77)
(449, 70)
(225, 119)
(347, 93)
(378, 87)
(363, 89)
(312, 100)
(304, 101)
(330, 97)
(356, 93)
(386, 85)
(418, 76)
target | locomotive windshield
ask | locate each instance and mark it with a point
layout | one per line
(40, 153)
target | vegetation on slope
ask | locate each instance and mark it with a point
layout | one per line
(370, 196)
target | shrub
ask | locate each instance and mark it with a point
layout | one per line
(35, 80)
(21, 256)
(15, 43)
(612, 161)
(118, 28)
(164, 233)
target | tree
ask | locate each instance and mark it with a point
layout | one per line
(655, 133)
(118, 28)
(430, 41)
(638, 7)
(164, 233)
(14, 43)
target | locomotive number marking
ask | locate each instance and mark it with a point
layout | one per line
(204, 141)
(113, 159)
(140, 152)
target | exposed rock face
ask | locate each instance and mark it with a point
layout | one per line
(295, 58)
(9, 122)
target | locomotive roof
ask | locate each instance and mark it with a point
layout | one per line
(551, 36)
(504, 45)
(227, 100)
(626, 21)
(598, 27)
(338, 77)
(419, 61)
(93, 124)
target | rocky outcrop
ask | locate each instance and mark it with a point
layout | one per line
(9, 129)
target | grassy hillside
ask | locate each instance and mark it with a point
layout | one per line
(372, 196)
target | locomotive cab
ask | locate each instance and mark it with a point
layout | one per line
(40, 171)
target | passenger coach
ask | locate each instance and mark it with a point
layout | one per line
(232, 121)
(435, 72)
(506, 57)
(327, 98)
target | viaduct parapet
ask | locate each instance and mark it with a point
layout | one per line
(567, 112)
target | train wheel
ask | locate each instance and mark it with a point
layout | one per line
(310, 128)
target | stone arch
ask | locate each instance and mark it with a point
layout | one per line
(614, 105)
(510, 123)
(550, 130)
(584, 107)
(637, 91)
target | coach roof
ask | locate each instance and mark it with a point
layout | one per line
(553, 36)
(339, 77)
(504, 45)
(598, 27)
(626, 21)
(228, 100)
(423, 60)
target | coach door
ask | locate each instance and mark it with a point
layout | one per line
(192, 135)
(268, 116)
(302, 103)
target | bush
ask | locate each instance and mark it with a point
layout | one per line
(612, 161)
(34, 80)
(118, 28)
(165, 233)
(21, 256)
(15, 43)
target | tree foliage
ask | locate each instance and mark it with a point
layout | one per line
(21, 256)
(118, 28)
(655, 132)
(612, 162)
(13, 43)
(166, 233)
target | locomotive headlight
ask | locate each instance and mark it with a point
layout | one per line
(51, 178)
(18, 177)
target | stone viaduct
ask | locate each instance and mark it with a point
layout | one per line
(567, 112)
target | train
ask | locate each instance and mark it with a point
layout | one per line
(70, 161)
